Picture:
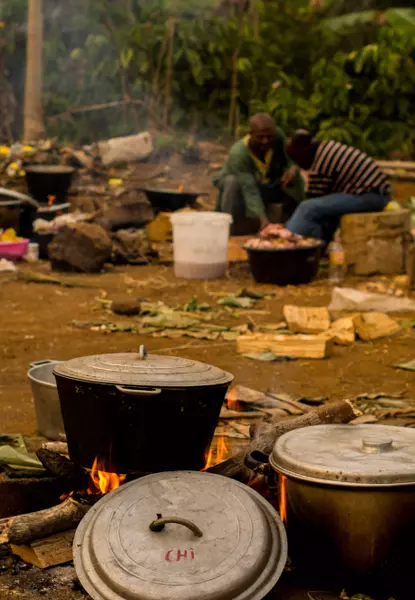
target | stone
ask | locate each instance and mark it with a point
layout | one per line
(82, 247)
(125, 306)
(131, 209)
(131, 246)
(376, 243)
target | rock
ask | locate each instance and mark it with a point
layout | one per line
(131, 209)
(125, 306)
(376, 242)
(131, 246)
(83, 247)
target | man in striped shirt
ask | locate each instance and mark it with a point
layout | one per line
(343, 180)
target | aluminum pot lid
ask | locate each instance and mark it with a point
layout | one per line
(221, 540)
(142, 369)
(361, 455)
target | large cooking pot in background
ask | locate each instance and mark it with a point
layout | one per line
(180, 536)
(350, 492)
(49, 180)
(46, 399)
(138, 412)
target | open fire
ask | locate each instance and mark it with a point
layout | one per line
(101, 481)
(283, 498)
(51, 200)
(215, 457)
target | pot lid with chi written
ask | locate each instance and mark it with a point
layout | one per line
(143, 370)
(348, 455)
(219, 540)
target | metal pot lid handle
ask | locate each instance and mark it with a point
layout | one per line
(159, 524)
(138, 391)
(142, 352)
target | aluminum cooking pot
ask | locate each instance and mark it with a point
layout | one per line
(140, 412)
(180, 536)
(46, 399)
(350, 496)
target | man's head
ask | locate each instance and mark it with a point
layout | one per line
(302, 148)
(262, 129)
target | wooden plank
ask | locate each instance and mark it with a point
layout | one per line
(298, 346)
(49, 551)
(375, 325)
(305, 319)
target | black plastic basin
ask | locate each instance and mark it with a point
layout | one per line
(285, 266)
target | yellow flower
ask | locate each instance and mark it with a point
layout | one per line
(4, 151)
(28, 149)
(22, 173)
(14, 166)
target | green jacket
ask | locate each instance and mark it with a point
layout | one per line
(260, 182)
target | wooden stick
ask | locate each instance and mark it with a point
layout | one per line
(266, 434)
(25, 529)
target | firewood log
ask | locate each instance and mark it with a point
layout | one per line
(25, 529)
(265, 434)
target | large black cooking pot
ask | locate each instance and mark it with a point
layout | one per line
(49, 180)
(138, 412)
(169, 200)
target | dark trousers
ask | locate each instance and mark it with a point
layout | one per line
(320, 217)
(233, 203)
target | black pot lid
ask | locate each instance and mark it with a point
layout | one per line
(143, 370)
(221, 540)
(348, 455)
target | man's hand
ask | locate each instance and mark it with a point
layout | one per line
(263, 222)
(289, 176)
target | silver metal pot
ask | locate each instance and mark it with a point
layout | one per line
(46, 399)
(350, 497)
(179, 536)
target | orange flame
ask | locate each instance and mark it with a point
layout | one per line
(232, 402)
(180, 189)
(213, 458)
(102, 482)
(51, 200)
(283, 498)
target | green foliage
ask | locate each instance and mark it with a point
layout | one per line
(367, 98)
(349, 76)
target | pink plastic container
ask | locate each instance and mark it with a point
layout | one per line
(13, 250)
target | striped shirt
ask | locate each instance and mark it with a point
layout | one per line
(341, 168)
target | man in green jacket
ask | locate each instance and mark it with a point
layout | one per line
(258, 184)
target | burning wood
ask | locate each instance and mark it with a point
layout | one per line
(51, 200)
(265, 435)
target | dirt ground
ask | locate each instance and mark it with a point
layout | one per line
(36, 324)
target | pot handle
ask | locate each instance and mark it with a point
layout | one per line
(138, 391)
(42, 362)
(159, 524)
(256, 460)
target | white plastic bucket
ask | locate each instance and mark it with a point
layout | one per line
(200, 244)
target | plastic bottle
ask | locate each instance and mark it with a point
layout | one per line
(337, 260)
